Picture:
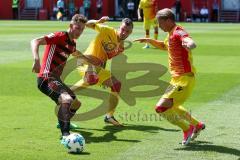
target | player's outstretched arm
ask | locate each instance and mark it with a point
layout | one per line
(188, 43)
(155, 43)
(92, 23)
(87, 59)
(77, 54)
(35, 43)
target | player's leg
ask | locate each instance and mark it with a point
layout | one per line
(68, 106)
(155, 26)
(167, 105)
(106, 79)
(155, 33)
(115, 86)
(90, 77)
(75, 105)
(67, 109)
(64, 113)
(187, 83)
(146, 25)
(184, 114)
(165, 108)
(57, 91)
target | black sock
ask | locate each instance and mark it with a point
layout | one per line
(64, 117)
(65, 127)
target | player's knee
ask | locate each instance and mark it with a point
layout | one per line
(65, 98)
(116, 87)
(91, 78)
(161, 109)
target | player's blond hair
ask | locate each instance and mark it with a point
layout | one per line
(165, 14)
(78, 18)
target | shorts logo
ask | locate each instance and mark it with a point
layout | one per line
(54, 85)
(64, 54)
(180, 88)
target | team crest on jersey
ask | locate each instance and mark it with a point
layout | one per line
(109, 46)
(112, 49)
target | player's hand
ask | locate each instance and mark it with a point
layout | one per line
(36, 66)
(185, 45)
(142, 40)
(103, 19)
(188, 43)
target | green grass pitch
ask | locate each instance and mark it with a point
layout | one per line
(28, 121)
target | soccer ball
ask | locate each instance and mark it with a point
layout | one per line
(75, 143)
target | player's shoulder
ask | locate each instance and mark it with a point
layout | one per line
(57, 34)
(60, 33)
(106, 28)
(180, 31)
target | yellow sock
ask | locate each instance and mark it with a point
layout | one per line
(173, 118)
(113, 102)
(184, 114)
(147, 36)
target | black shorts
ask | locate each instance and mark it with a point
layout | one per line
(53, 87)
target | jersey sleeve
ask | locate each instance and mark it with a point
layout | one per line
(99, 27)
(54, 38)
(103, 28)
(181, 34)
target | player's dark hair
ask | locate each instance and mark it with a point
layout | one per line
(128, 22)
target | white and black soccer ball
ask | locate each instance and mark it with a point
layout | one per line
(75, 143)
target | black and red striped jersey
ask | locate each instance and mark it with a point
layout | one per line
(58, 49)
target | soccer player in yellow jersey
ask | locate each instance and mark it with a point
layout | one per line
(179, 45)
(149, 8)
(108, 43)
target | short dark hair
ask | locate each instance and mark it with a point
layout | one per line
(128, 22)
(165, 14)
(78, 18)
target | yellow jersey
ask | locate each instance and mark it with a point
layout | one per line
(106, 44)
(149, 8)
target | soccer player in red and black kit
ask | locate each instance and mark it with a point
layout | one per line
(59, 46)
